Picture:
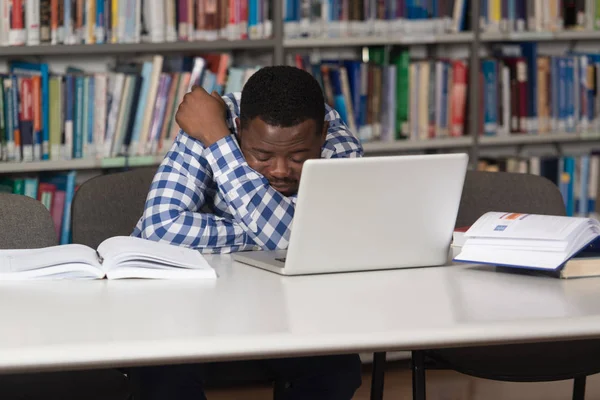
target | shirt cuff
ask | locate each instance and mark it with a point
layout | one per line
(224, 156)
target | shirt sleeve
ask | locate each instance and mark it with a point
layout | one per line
(264, 213)
(176, 196)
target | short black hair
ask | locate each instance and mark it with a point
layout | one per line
(282, 96)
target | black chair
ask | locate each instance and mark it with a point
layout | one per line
(26, 224)
(539, 362)
(111, 205)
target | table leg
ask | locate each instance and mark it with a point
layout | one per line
(418, 375)
(378, 376)
(579, 388)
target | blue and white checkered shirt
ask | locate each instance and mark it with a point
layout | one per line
(208, 198)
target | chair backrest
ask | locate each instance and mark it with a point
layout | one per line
(109, 205)
(511, 192)
(25, 223)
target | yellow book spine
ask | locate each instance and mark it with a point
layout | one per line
(114, 12)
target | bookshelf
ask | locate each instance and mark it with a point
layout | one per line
(278, 46)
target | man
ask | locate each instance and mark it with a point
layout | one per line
(229, 183)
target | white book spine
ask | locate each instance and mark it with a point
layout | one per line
(156, 21)
(150, 101)
(118, 81)
(17, 34)
(4, 22)
(171, 19)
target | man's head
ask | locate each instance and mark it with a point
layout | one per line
(281, 124)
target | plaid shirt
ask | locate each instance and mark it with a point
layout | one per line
(208, 198)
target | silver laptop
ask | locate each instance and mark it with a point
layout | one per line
(370, 213)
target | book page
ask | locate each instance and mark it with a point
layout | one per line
(47, 261)
(144, 253)
(526, 226)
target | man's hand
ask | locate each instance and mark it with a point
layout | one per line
(202, 116)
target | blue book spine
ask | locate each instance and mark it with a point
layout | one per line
(91, 108)
(562, 94)
(591, 102)
(78, 135)
(483, 14)
(8, 117)
(445, 83)
(141, 107)
(570, 178)
(582, 207)
(45, 111)
(570, 88)
(68, 21)
(15, 116)
(100, 22)
(554, 93)
(338, 96)
(31, 187)
(529, 51)
(252, 16)
(69, 114)
(490, 104)
(65, 237)
(353, 68)
(511, 17)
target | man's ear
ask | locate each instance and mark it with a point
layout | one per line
(238, 128)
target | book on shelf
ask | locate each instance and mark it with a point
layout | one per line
(392, 97)
(126, 111)
(337, 18)
(566, 246)
(119, 257)
(34, 22)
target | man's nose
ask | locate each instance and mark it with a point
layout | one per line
(281, 168)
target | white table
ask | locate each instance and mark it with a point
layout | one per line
(250, 313)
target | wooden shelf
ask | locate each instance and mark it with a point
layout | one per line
(415, 145)
(524, 139)
(133, 48)
(463, 37)
(79, 164)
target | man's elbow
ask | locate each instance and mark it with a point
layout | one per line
(159, 227)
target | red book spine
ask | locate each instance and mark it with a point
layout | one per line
(244, 19)
(57, 209)
(458, 98)
(182, 19)
(522, 86)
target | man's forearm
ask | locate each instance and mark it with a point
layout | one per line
(265, 214)
(205, 232)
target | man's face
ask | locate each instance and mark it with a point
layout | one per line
(279, 153)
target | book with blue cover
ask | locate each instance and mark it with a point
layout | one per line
(535, 242)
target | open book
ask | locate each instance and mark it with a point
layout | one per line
(541, 242)
(116, 258)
